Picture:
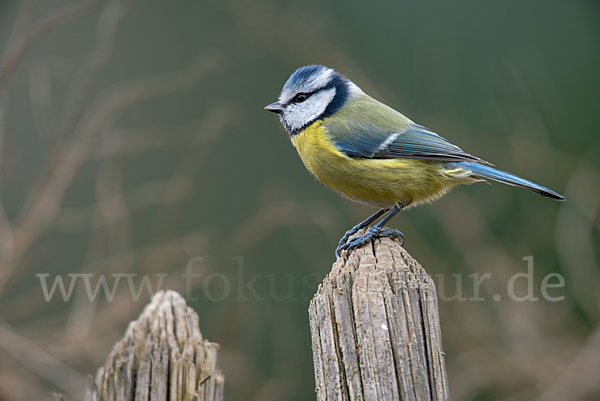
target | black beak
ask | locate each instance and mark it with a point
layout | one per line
(275, 107)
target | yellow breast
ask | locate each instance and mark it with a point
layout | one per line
(380, 182)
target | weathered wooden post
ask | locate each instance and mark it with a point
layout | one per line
(375, 329)
(161, 357)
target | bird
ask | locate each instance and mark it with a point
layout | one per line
(370, 153)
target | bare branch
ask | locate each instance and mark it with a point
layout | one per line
(138, 198)
(36, 359)
(45, 198)
(6, 234)
(40, 92)
(81, 84)
(23, 42)
(579, 381)
(23, 20)
(205, 131)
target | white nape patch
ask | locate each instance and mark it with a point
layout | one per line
(388, 140)
(353, 89)
(315, 82)
(297, 115)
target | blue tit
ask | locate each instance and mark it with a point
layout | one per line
(370, 153)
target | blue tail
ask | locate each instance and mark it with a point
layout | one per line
(483, 171)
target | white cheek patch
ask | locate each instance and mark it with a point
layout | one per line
(298, 115)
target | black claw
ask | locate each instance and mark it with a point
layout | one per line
(368, 236)
(393, 234)
(347, 235)
(356, 242)
(344, 240)
(355, 229)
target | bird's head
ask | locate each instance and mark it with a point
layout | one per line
(311, 93)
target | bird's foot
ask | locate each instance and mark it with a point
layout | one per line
(392, 234)
(345, 237)
(368, 236)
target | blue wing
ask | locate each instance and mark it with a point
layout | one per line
(413, 142)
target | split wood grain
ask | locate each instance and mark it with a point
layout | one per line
(161, 357)
(375, 329)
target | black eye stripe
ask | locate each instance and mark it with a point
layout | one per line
(300, 97)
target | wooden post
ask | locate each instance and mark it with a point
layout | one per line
(161, 357)
(375, 329)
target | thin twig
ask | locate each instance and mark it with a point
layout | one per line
(83, 77)
(45, 198)
(36, 359)
(24, 42)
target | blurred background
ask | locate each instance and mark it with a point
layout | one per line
(133, 141)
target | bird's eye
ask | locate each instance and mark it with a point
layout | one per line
(300, 97)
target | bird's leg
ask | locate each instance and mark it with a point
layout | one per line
(376, 231)
(357, 227)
